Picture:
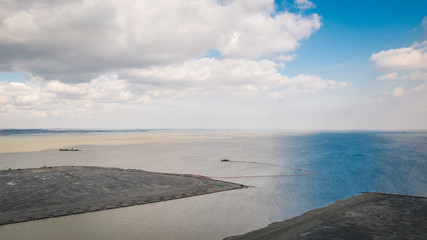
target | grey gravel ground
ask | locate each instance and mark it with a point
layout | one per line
(368, 216)
(30, 194)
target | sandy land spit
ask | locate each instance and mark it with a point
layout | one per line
(37, 193)
(39, 142)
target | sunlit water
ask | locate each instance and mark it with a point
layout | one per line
(345, 164)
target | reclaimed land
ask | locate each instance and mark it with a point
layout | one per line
(367, 216)
(38, 193)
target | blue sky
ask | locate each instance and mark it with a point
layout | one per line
(235, 64)
(14, 76)
(352, 30)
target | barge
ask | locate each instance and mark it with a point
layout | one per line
(68, 149)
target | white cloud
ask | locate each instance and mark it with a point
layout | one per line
(155, 49)
(284, 57)
(229, 76)
(55, 97)
(399, 92)
(75, 41)
(253, 35)
(389, 76)
(104, 88)
(207, 75)
(420, 88)
(409, 63)
(246, 80)
(419, 74)
(302, 85)
(304, 4)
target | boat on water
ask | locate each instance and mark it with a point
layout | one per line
(225, 160)
(68, 149)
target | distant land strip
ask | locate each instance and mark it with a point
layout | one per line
(39, 131)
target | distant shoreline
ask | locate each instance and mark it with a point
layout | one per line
(39, 131)
(18, 131)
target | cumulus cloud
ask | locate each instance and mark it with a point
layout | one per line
(304, 4)
(76, 41)
(230, 76)
(389, 76)
(57, 98)
(420, 88)
(399, 92)
(87, 56)
(403, 63)
(243, 79)
(207, 75)
(303, 84)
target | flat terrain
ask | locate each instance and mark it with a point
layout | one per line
(368, 216)
(30, 194)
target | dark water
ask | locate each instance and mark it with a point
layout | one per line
(349, 163)
(345, 164)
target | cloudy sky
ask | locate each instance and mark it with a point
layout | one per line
(251, 64)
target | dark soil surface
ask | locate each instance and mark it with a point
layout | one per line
(30, 194)
(368, 216)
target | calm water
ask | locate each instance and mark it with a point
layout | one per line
(345, 164)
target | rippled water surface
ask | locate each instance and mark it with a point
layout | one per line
(345, 164)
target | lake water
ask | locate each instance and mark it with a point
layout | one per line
(345, 164)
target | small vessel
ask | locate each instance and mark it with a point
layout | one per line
(68, 149)
(225, 160)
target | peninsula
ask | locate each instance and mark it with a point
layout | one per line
(366, 216)
(31, 194)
